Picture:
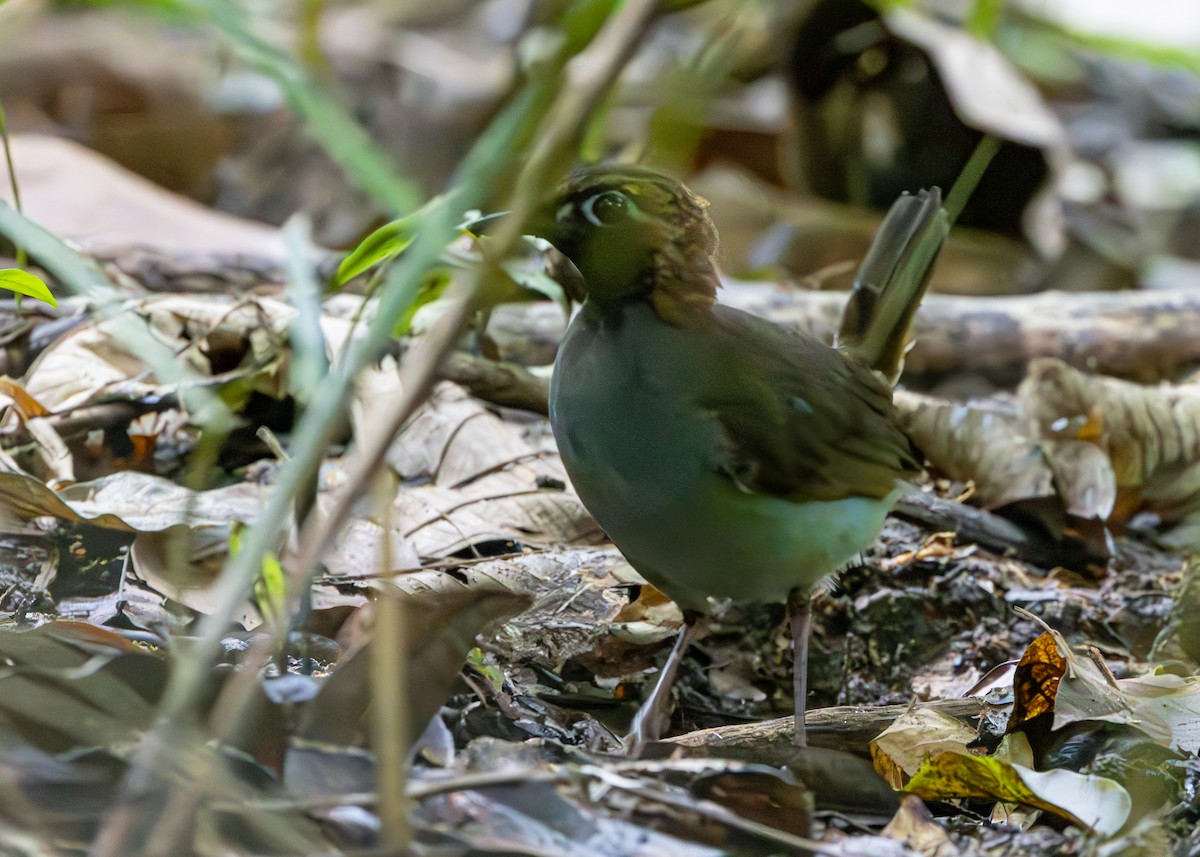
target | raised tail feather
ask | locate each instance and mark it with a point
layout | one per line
(891, 282)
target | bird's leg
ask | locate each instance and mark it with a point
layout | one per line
(648, 722)
(800, 617)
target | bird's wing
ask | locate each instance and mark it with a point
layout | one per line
(801, 420)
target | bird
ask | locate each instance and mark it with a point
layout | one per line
(725, 456)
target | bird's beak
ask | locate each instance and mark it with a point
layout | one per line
(540, 224)
(543, 223)
(483, 224)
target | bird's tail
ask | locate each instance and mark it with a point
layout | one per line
(891, 282)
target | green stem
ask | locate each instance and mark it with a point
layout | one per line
(969, 178)
(22, 259)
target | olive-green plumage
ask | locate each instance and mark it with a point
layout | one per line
(725, 456)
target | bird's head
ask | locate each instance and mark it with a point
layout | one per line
(634, 234)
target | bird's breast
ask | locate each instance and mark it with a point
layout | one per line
(645, 456)
(627, 424)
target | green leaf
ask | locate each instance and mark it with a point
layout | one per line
(432, 287)
(1083, 799)
(270, 587)
(25, 283)
(493, 674)
(386, 242)
(984, 18)
(270, 590)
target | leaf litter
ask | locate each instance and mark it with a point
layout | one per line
(579, 632)
(525, 657)
(484, 499)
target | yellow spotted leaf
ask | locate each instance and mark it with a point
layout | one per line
(1085, 800)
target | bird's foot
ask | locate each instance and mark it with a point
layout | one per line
(800, 617)
(651, 718)
(647, 727)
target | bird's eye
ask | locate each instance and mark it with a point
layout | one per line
(605, 209)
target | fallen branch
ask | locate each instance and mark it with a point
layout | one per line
(970, 524)
(1145, 336)
(846, 727)
(1140, 335)
(500, 383)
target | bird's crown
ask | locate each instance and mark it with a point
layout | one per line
(636, 234)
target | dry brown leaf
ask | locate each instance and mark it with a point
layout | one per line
(505, 506)
(989, 443)
(182, 564)
(1051, 677)
(913, 825)
(218, 339)
(484, 482)
(49, 457)
(182, 535)
(105, 209)
(237, 347)
(1171, 700)
(1085, 689)
(25, 405)
(1164, 707)
(145, 503)
(1150, 434)
(934, 546)
(445, 613)
(648, 618)
(1036, 680)
(454, 439)
(1083, 476)
(356, 551)
(912, 738)
(25, 498)
(52, 459)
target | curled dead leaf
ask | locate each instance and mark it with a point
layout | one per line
(1151, 436)
(898, 752)
(989, 443)
(1036, 680)
(444, 613)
